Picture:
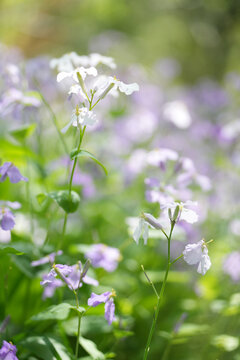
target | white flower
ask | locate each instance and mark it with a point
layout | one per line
(141, 229)
(113, 84)
(72, 60)
(186, 213)
(177, 113)
(197, 254)
(82, 117)
(127, 89)
(73, 74)
(96, 59)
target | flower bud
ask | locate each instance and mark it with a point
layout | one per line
(176, 213)
(106, 91)
(152, 221)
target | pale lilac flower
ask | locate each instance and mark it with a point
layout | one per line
(159, 157)
(103, 256)
(107, 299)
(7, 219)
(197, 254)
(47, 259)
(231, 265)
(8, 351)
(50, 287)
(73, 276)
(10, 170)
(177, 113)
(81, 117)
(186, 212)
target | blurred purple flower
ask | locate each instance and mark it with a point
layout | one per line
(46, 259)
(10, 170)
(7, 220)
(8, 351)
(103, 256)
(231, 265)
(107, 299)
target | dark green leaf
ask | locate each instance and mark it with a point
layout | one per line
(9, 250)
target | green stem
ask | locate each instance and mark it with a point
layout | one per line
(60, 243)
(79, 325)
(150, 336)
(54, 120)
(82, 131)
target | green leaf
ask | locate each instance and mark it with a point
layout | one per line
(119, 334)
(91, 348)
(9, 250)
(68, 203)
(79, 310)
(75, 154)
(23, 132)
(23, 265)
(46, 348)
(55, 312)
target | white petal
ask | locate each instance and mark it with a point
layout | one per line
(63, 75)
(189, 216)
(128, 89)
(204, 264)
(138, 231)
(193, 253)
(145, 233)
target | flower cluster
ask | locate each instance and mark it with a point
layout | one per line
(73, 276)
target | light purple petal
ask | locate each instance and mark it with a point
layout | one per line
(95, 299)
(90, 281)
(8, 221)
(109, 310)
(15, 175)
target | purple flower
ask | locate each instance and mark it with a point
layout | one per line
(50, 286)
(73, 276)
(231, 265)
(107, 299)
(8, 351)
(103, 256)
(46, 259)
(8, 169)
(7, 220)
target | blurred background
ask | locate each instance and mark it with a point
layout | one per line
(203, 35)
(185, 56)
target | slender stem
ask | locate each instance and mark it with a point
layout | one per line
(82, 131)
(79, 324)
(150, 336)
(54, 120)
(149, 280)
(60, 243)
(179, 257)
